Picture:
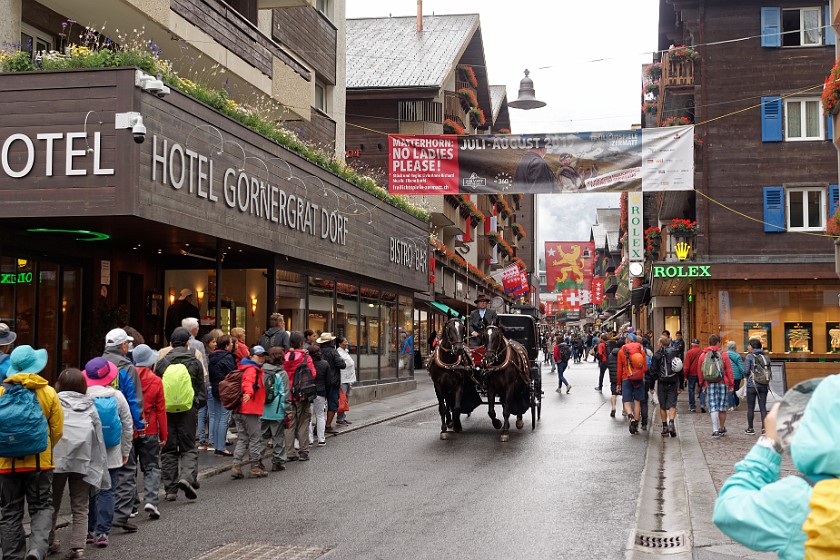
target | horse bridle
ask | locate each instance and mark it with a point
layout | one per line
(450, 350)
(489, 357)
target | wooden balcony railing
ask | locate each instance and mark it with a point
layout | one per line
(676, 73)
(452, 108)
(668, 247)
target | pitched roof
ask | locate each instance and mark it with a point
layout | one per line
(389, 52)
(599, 236)
(497, 96)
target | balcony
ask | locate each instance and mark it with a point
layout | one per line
(452, 108)
(420, 111)
(668, 247)
(676, 88)
(444, 215)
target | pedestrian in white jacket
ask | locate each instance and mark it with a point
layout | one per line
(100, 374)
(348, 377)
(79, 457)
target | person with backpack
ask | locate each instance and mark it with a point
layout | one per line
(613, 349)
(793, 516)
(632, 367)
(297, 364)
(7, 339)
(549, 346)
(318, 422)
(117, 346)
(562, 355)
(667, 372)
(31, 424)
(247, 417)
(182, 376)
(602, 357)
(737, 374)
(276, 335)
(117, 433)
(716, 379)
(222, 362)
(691, 367)
(148, 442)
(333, 382)
(274, 413)
(81, 459)
(758, 376)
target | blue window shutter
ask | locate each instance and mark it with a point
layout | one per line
(830, 35)
(771, 27)
(829, 127)
(833, 199)
(771, 119)
(774, 209)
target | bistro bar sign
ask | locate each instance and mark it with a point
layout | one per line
(190, 171)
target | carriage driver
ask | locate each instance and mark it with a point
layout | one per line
(480, 318)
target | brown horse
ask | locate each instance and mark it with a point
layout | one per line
(506, 374)
(448, 367)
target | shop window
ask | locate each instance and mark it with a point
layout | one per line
(347, 314)
(290, 292)
(407, 344)
(388, 336)
(321, 306)
(369, 325)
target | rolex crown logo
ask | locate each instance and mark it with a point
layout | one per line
(681, 249)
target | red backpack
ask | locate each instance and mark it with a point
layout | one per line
(635, 360)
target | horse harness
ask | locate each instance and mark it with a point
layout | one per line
(457, 365)
(510, 352)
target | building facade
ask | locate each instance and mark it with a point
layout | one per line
(758, 262)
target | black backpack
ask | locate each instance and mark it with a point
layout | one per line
(303, 382)
(565, 353)
(666, 373)
(279, 338)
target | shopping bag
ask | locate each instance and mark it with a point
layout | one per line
(343, 405)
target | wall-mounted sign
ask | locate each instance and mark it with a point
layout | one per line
(636, 230)
(61, 154)
(682, 249)
(19, 278)
(407, 254)
(683, 271)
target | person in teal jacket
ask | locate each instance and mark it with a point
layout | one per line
(737, 373)
(765, 513)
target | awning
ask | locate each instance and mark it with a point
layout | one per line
(623, 309)
(445, 309)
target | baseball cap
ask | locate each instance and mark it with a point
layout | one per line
(695, 341)
(117, 337)
(179, 337)
(185, 293)
(257, 350)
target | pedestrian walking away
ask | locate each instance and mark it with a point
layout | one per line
(716, 378)
(667, 372)
(632, 367)
(612, 367)
(298, 414)
(758, 375)
(248, 426)
(691, 365)
(26, 468)
(222, 362)
(318, 419)
(562, 355)
(737, 374)
(277, 395)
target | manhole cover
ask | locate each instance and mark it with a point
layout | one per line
(237, 551)
(662, 542)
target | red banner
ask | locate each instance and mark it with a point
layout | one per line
(511, 279)
(549, 308)
(597, 291)
(568, 264)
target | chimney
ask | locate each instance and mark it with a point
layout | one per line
(419, 16)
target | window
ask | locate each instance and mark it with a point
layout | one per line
(323, 6)
(803, 120)
(805, 208)
(801, 27)
(321, 97)
(34, 41)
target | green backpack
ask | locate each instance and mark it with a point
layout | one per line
(712, 367)
(177, 388)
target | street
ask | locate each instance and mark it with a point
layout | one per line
(394, 490)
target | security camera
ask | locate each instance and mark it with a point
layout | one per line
(150, 84)
(138, 130)
(163, 92)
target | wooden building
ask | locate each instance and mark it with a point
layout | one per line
(759, 263)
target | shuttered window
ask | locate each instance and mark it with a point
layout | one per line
(804, 119)
(833, 199)
(774, 209)
(830, 35)
(771, 27)
(771, 119)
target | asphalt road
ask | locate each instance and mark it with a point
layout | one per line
(568, 489)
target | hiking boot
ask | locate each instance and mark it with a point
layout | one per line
(672, 429)
(128, 527)
(258, 472)
(152, 510)
(664, 432)
(188, 489)
(101, 540)
(75, 553)
(277, 467)
(715, 434)
(236, 471)
(90, 539)
(303, 457)
(171, 497)
(749, 431)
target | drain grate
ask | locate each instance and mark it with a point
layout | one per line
(237, 551)
(662, 542)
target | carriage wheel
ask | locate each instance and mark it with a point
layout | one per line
(539, 409)
(533, 417)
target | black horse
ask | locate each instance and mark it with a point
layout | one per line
(448, 367)
(506, 374)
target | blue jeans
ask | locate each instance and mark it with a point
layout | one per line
(101, 509)
(692, 383)
(204, 437)
(561, 367)
(219, 418)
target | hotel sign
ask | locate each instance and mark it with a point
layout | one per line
(683, 271)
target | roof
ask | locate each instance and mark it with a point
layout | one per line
(610, 220)
(498, 94)
(599, 236)
(390, 53)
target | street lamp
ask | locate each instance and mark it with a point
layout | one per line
(527, 97)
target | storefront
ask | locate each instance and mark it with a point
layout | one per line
(100, 231)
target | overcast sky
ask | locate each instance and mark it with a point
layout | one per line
(560, 42)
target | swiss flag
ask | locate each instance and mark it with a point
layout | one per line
(572, 299)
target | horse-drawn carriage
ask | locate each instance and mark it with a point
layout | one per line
(503, 364)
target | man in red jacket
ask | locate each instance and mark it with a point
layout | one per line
(716, 391)
(299, 413)
(247, 417)
(692, 369)
(148, 442)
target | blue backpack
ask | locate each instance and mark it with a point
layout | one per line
(23, 426)
(109, 416)
(5, 363)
